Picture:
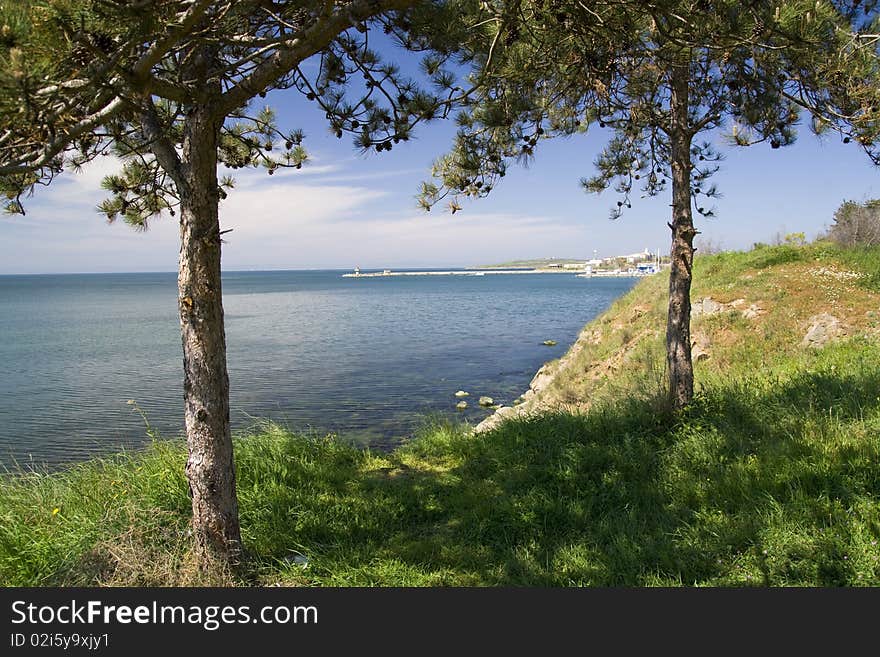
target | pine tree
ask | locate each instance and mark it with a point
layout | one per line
(657, 76)
(167, 87)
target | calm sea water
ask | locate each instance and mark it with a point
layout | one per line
(367, 358)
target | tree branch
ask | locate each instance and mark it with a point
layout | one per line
(312, 40)
(61, 142)
(160, 48)
(161, 147)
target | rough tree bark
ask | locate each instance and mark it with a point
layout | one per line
(678, 332)
(210, 468)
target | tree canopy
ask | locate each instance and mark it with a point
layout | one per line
(655, 76)
(170, 87)
(753, 69)
(81, 78)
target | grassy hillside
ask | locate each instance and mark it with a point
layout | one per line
(771, 478)
(761, 306)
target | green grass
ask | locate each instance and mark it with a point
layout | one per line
(769, 479)
(866, 260)
(863, 259)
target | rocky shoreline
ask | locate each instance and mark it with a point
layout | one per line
(815, 332)
(539, 396)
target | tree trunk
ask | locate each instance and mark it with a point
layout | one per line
(210, 468)
(678, 324)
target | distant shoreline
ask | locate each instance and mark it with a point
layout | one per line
(482, 272)
(469, 272)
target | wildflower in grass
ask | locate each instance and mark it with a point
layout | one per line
(55, 511)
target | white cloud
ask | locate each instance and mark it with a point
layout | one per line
(279, 222)
(376, 175)
(84, 186)
(271, 210)
(63, 232)
(343, 235)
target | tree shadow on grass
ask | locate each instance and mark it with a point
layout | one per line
(755, 484)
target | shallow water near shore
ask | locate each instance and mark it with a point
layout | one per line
(367, 358)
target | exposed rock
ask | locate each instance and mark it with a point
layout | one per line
(462, 393)
(593, 337)
(486, 401)
(753, 312)
(707, 306)
(700, 347)
(542, 378)
(461, 405)
(496, 418)
(301, 560)
(638, 311)
(699, 355)
(537, 398)
(823, 328)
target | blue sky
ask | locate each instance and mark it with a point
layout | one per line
(344, 209)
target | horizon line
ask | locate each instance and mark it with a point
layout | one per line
(234, 271)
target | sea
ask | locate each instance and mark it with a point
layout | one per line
(89, 362)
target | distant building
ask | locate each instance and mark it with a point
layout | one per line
(633, 258)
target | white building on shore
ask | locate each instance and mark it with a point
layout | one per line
(633, 258)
